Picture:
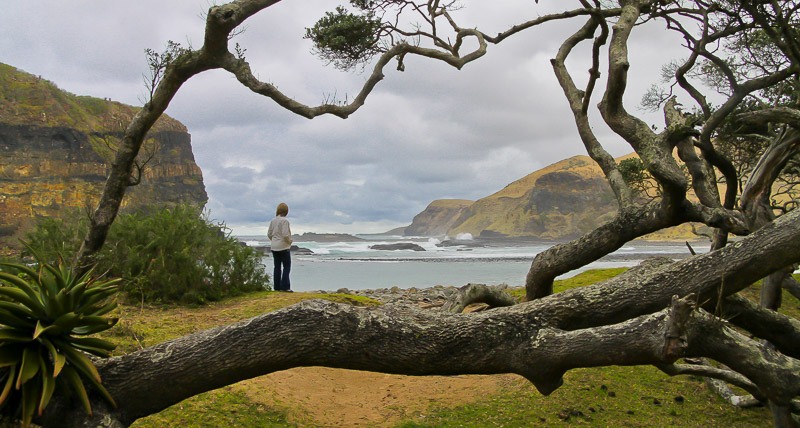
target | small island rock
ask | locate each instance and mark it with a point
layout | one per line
(397, 246)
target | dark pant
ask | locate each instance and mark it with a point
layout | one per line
(283, 265)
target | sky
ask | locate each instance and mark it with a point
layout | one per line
(430, 132)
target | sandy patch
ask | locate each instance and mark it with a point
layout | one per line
(325, 397)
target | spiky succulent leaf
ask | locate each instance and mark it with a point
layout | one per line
(95, 327)
(29, 366)
(17, 310)
(20, 284)
(58, 359)
(14, 293)
(31, 391)
(48, 387)
(24, 269)
(76, 385)
(103, 310)
(9, 383)
(10, 354)
(8, 334)
(94, 345)
(11, 320)
(79, 361)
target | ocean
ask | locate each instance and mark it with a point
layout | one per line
(353, 265)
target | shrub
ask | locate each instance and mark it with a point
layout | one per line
(173, 255)
(54, 239)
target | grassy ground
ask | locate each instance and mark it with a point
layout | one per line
(608, 396)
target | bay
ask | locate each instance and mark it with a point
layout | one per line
(353, 265)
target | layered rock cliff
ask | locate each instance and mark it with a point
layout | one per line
(55, 148)
(437, 218)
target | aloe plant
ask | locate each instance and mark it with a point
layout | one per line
(47, 315)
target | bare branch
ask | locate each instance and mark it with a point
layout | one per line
(709, 371)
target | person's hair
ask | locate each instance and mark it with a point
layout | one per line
(282, 210)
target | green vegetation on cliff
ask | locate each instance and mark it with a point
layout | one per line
(26, 99)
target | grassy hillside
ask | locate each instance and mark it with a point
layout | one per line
(581, 165)
(57, 147)
(26, 99)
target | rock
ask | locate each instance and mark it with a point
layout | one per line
(265, 249)
(397, 246)
(431, 298)
(300, 250)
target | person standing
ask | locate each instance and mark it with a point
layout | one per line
(280, 236)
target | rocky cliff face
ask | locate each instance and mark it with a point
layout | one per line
(55, 148)
(437, 218)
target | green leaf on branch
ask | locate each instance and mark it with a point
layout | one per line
(345, 39)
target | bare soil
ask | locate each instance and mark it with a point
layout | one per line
(325, 397)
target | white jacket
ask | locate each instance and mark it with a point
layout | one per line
(279, 234)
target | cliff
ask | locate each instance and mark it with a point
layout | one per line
(55, 148)
(437, 218)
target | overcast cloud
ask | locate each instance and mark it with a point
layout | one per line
(431, 132)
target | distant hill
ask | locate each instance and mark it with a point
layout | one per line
(561, 201)
(55, 148)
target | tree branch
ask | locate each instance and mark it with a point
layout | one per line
(578, 104)
(708, 371)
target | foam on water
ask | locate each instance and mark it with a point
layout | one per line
(354, 265)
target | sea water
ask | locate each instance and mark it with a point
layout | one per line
(353, 265)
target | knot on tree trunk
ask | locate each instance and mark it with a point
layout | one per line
(675, 339)
(493, 296)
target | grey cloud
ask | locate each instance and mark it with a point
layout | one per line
(427, 133)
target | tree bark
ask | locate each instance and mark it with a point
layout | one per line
(620, 322)
(494, 296)
(780, 330)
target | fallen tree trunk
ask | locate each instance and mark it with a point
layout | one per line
(620, 322)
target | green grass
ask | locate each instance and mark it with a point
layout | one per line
(598, 397)
(224, 407)
(601, 397)
(580, 280)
